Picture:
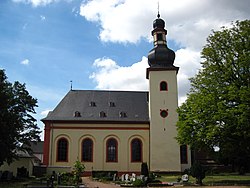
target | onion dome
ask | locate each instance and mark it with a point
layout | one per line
(160, 55)
(159, 23)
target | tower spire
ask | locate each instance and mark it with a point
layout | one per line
(160, 56)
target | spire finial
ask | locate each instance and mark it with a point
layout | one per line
(158, 15)
(71, 85)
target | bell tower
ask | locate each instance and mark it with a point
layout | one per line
(163, 102)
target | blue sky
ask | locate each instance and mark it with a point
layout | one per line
(102, 44)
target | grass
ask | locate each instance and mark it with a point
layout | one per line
(13, 184)
(20, 183)
(219, 179)
(228, 179)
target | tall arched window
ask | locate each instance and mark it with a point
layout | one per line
(111, 150)
(163, 86)
(62, 150)
(87, 150)
(136, 150)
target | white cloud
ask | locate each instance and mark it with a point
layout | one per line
(189, 62)
(120, 21)
(189, 22)
(109, 75)
(36, 3)
(45, 112)
(25, 62)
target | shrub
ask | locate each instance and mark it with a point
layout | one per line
(104, 174)
(77, 172)
(139, 183)
(198, 172)
(144, 169)
(66, 178)
(186, 171)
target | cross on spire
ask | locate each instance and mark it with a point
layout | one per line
(71, 84)
(158, 15)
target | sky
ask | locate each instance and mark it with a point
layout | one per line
(102, 44)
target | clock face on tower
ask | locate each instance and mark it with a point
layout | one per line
(164, 113)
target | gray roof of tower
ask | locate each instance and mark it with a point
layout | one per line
(37, 147)
(127, 106)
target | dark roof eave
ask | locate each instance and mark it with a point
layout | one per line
(169, 68)
(95, 121)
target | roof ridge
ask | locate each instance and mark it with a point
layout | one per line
(103, 90)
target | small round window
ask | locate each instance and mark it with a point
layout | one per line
(164, 113)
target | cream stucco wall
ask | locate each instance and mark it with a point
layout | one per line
(164, 149)
(99, 133)
(22, 162)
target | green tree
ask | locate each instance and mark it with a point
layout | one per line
(217, 110)
(17, 126)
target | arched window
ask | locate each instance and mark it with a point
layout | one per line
(163, 86)
(62, 150)
(87, 150)
(136, 150)
(111, 150)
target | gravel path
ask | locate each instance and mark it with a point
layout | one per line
(96, 184)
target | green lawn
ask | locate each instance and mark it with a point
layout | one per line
(12, 184)
(228, 179)
(18, 183)
(220, 179)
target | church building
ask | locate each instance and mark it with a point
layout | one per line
(119, 130)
